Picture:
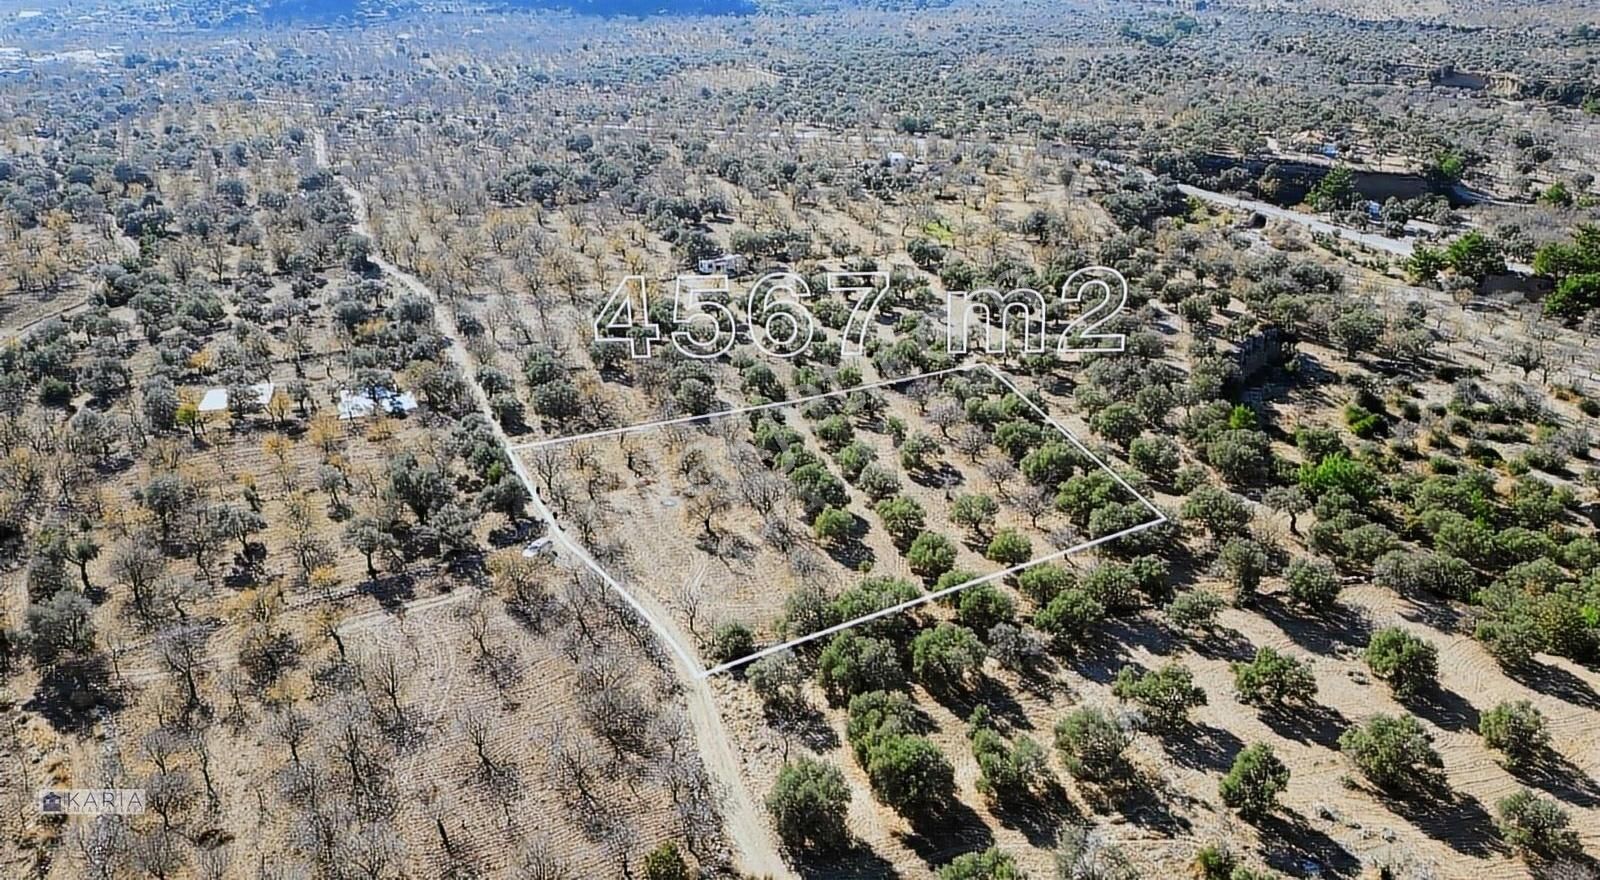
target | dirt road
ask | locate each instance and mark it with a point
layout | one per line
(743, 821)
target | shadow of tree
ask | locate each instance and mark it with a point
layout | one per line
(391, 591)
(1224, 644)
(1340, 627)
(1289, 844)
(1098, 662)
(1553, 681)
(805, 723)
(1040, 817)
(71, 694)
(954, 829)
(1447, 709)
(1134, 633)
(1552, 772)
(852, 552)
(987, 692)
(1202, 747)
(1454, 819)
(1438, 615)
(858, 862)
(1311, 723)
(726, 545)
(938, 475)
(509, 533)
(1147, 802)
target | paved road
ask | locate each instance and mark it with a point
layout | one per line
(743, 821)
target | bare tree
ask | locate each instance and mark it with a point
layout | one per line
(386, 676)
(372, 851)
(182, 651)
(475, 726)
(1035, 501)
(540, 861)
(971, 441)
(548, 462)
(290, 727)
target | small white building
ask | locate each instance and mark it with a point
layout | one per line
(897, 159)
(727, 264)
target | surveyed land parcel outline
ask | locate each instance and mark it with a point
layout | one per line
(688, 657)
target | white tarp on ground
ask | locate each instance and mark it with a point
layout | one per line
(216, 399)
(355, 405)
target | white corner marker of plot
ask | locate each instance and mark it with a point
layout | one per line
(1158, 517)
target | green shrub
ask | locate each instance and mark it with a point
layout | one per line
(1194, 610)
(910, 774)
(1069, 618)
(1536, 825)
(1091, 744)
(1363, 422)
(1220, 512)
(1167, 694)
(1395, 754)
(1405, 661)
(1313, 583)
(976, 512)
(1516, 729)
(1009, 547)
(902, 517)
(1338, 473)
(1044, 581)
(732, 641)
(832, 525)
(946, 656)
(981, 607)
(876, 714)
(1273, 680)
(853, 664)
(777, 679)
(808, 803)
(665, 863)
(931, 555)
(1005, 771)
(1254, 782)
(1214, 861)
(991, 864)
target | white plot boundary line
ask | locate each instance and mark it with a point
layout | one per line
(926, 598)
(762, 407)
(702, 672)
(1160, 518)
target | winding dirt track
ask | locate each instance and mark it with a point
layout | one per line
(753, 842)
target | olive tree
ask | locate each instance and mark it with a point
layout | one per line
(1394, 753)
(1091, 744)
(1517, 729)
(1254, 781)
(1405, 661)
(808, 803)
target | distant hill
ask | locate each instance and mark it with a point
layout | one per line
(644, 7)
(285, 11)
(812, 7)
(325, 11)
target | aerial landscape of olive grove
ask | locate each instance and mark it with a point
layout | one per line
(957, 439)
